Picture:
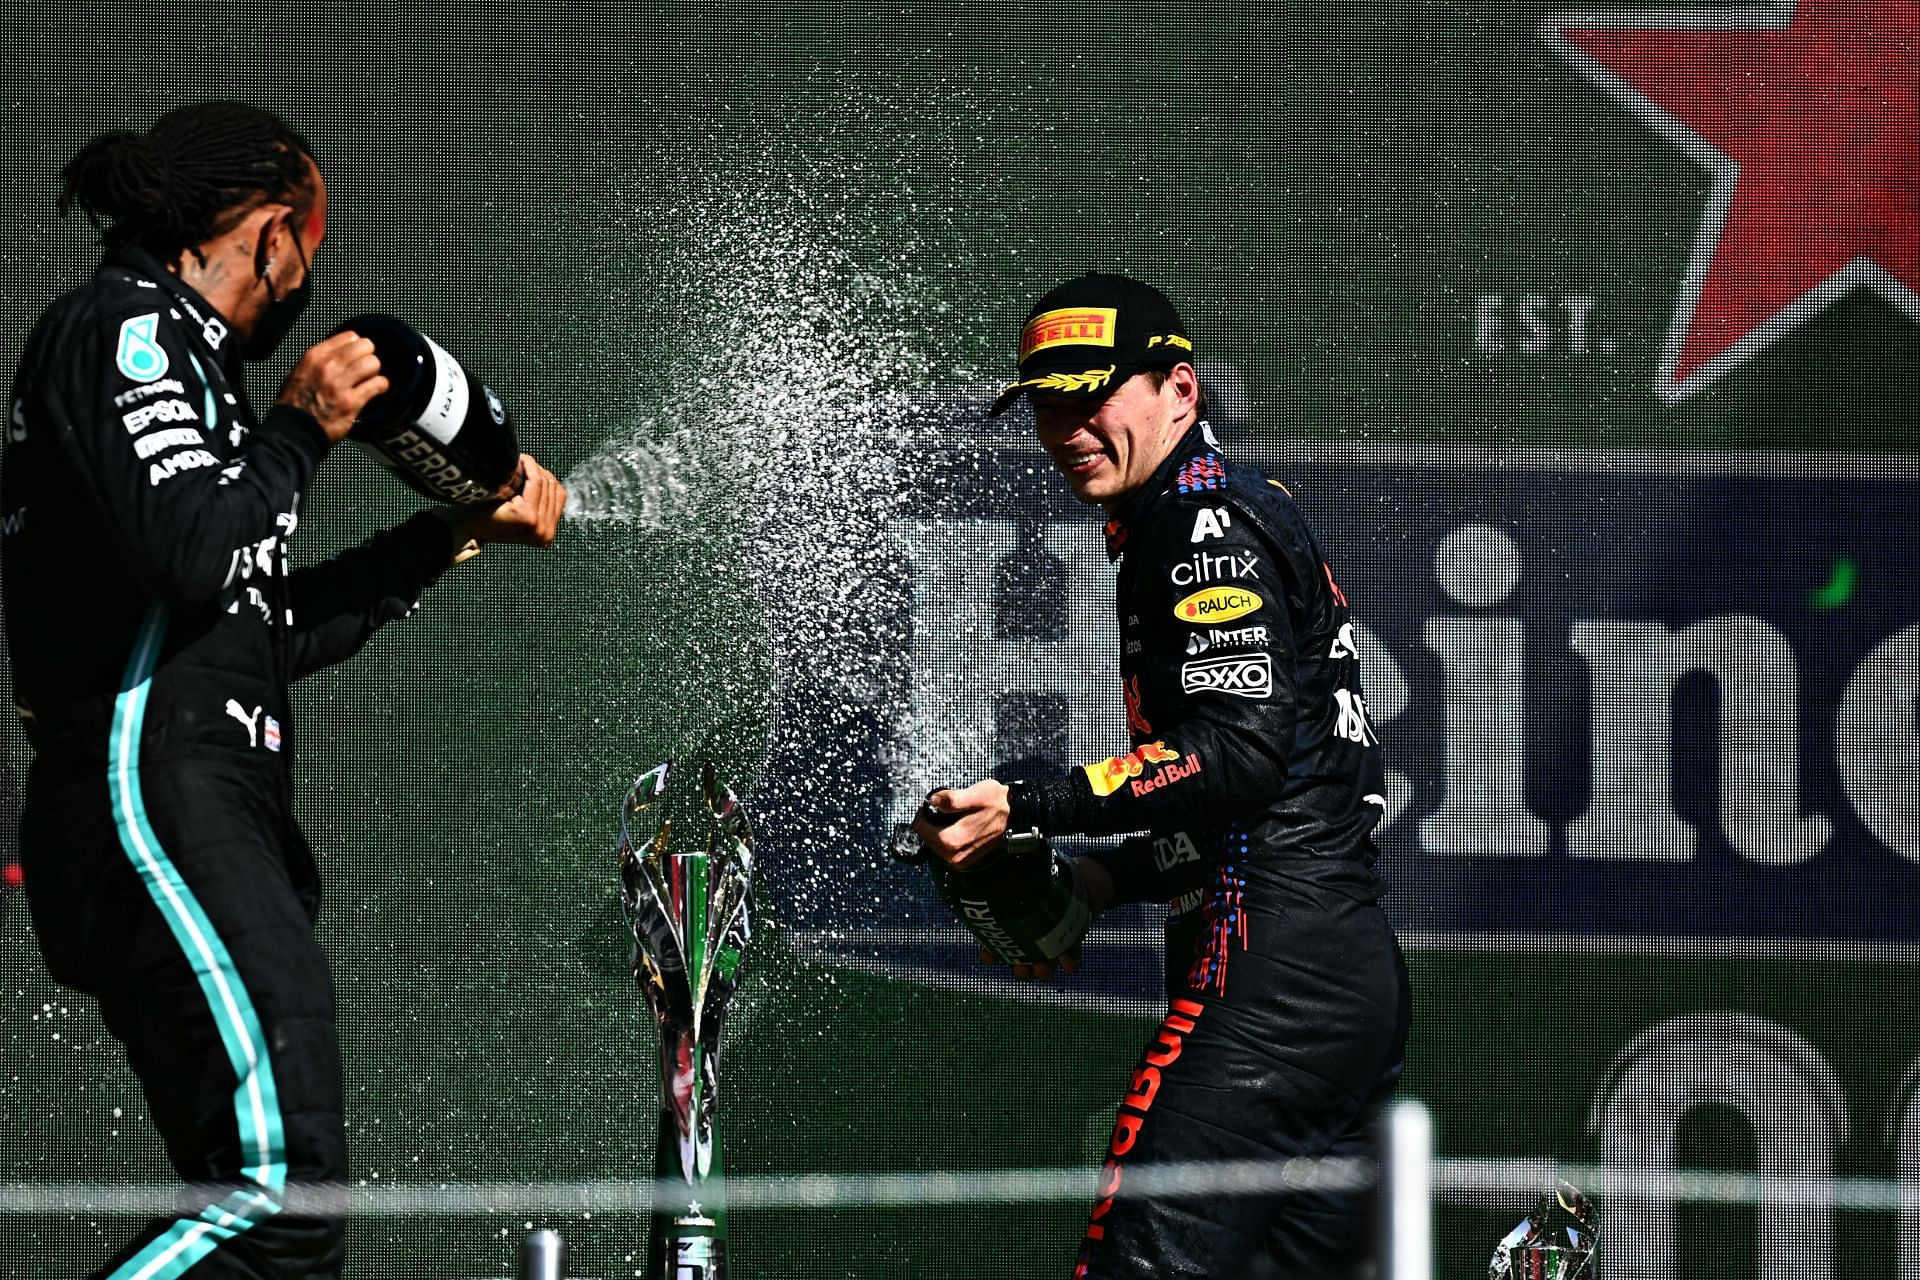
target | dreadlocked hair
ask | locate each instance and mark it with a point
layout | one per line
(193, 175)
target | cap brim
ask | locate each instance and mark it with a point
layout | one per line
(1004, 401)
(1070, 381)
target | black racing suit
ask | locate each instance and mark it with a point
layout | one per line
(153, 628)
(1257, 776)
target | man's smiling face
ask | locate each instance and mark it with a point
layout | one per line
(1108, 446)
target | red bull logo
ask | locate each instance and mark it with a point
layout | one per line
(1175, 772)
(1136, 719)
(1109, 775)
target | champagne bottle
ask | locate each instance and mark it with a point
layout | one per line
(436, 426)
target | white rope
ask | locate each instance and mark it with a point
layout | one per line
(616, 1196)
(1509, 1183)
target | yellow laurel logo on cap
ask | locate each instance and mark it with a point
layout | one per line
(1069, 326)
(1091, 380)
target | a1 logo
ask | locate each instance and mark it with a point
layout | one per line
(1211, 522)
(139, 356)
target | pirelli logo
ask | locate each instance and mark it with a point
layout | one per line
(1071, 326)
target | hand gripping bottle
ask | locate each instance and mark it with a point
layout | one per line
(436, 426)
(1025, 902)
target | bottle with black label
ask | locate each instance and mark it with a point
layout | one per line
(436, 426)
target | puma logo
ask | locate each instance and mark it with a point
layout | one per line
(252, 722)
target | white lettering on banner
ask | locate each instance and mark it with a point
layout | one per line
(13, 522)
(146, 415)
(1206, 567)
(17, 424)
(150, 390)
(167, 468)
(1904, 1129)
(951, 569)
(1250, 676)
(161, 441)
(1636, 666)
(1876, 742)
(1537, 324)
(1782, 1087)
(1482, 809)
(1211, 522)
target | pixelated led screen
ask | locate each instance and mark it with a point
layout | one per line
(1602, 412)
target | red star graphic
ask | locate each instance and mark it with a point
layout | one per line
(1808, 118)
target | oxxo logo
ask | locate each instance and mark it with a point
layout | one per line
(1217, 604)
(1250, 676)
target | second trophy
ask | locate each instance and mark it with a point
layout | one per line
(691, 912)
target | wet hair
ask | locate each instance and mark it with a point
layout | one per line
(193, 175)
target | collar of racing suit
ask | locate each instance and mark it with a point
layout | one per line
(213, 327)
(1197, 442)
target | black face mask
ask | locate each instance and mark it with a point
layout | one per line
(282, 312)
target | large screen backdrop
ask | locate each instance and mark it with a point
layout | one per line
(1588, 341)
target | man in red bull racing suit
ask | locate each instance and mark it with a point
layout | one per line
(1256, 775)
(154, 626)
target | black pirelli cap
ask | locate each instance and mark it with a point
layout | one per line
(1091, 334)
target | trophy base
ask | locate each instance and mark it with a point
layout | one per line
(1548, 1262)
(688, 1258)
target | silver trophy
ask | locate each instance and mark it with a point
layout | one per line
(691, 912)
(1557, 1241)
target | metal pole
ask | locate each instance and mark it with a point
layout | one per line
(543, 1256)
(1406, 1189)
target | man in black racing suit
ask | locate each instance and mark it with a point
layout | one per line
(1256, 775)
(154, 628)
